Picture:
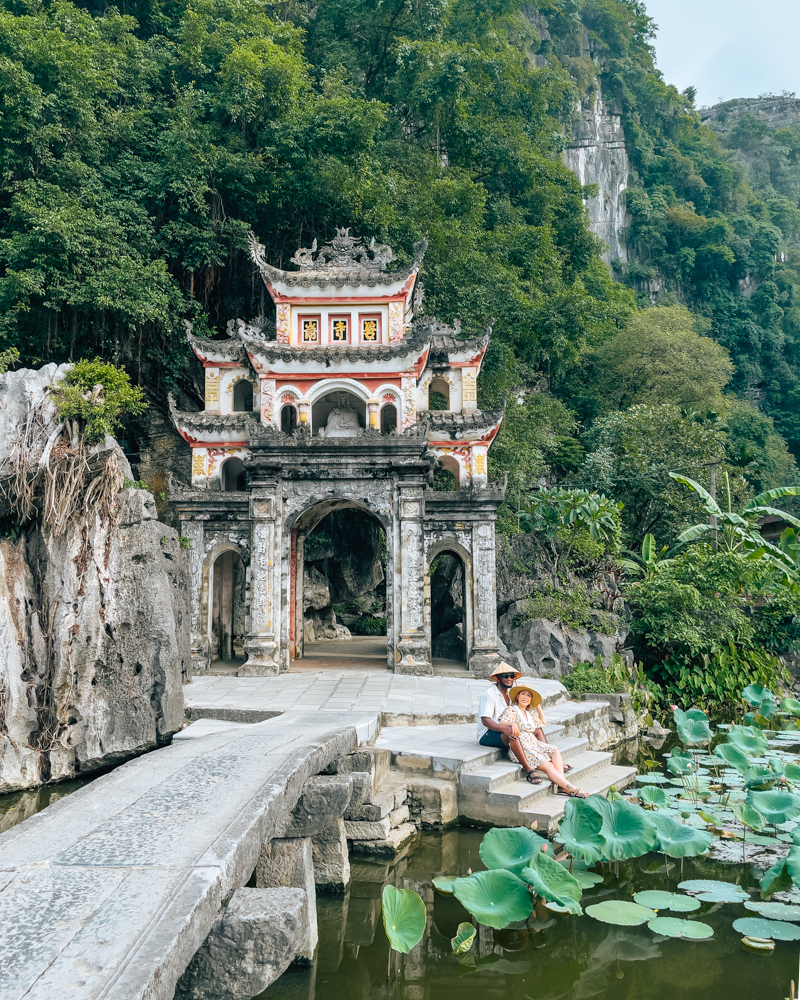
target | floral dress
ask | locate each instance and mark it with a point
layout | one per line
(536, 752)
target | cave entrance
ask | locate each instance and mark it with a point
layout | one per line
(448, 583)
(227, 626)
(339, 577)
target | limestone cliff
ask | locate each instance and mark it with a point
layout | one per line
(597, 156)
(94, 622)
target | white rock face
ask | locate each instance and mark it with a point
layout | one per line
(94, 625)
(597, 155)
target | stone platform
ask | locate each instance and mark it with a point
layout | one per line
(108, 893)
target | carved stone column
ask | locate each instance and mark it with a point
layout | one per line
(198, 640)
(484, 655)
(414, 645)
(372, 412)
(261, 644)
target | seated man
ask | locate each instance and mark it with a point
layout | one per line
(493, 733)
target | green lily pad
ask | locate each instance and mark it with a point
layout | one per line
(776, 879)
(627, 832)
(776, 806)
(679, 840)
(404, 918)
(791, 705)
(495, 898)
(761, 928)
(693, 727)
(651, 795)
(660, 899)
(673, 927)
(556, 907)
(712, 891)
(774, 911)
(651, 779)
(579, 830)
(754, 694)
(748, 816)
(444, 883)
(553, 882)
(510, 848)
(621, 913)
(748, 738)
(587, 879)
(793, 771)
(462, 942)
(734, 756)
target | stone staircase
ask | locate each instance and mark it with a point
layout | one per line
(491, 788)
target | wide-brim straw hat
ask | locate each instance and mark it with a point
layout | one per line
(536, 698)
(505, 668)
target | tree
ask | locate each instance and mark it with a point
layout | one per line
(630, 456)
(657, 358)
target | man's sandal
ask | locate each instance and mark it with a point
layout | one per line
(532, 781)
(573, 792)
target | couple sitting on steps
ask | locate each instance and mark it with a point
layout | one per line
(504, 720)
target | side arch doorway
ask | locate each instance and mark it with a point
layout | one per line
(340, 604)
(451, 611)
(227, 609)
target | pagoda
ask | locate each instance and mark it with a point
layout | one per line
(326, 406)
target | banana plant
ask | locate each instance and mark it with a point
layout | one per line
(739, 532)
(649, 562)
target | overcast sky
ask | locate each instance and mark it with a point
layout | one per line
(728, 48)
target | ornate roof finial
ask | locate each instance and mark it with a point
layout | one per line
(344, 253)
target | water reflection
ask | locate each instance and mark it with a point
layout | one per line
(547, 958)
(19, 806)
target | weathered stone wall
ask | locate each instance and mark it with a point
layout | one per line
(94, 624)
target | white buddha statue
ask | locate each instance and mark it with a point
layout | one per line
(342, 420)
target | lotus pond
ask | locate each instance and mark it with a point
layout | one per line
(686, 885)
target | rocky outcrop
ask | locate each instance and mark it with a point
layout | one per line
(94, 620)
(777, 110)
(542, 648)
(597, 155)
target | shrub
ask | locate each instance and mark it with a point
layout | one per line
(102, 410)
(577, 609)
(367, 625)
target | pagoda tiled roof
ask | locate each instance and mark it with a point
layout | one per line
(271, 350)
(202, 423)
(465, 426)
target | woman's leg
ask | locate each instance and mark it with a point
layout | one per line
(557, 761)
(517, 750)
(556, 776)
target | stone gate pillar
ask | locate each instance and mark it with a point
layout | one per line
(198, 639)
(484, 650)
(414, 646)
(262, 642)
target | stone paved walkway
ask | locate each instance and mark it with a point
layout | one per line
(398, 697)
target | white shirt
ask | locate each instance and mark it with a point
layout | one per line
(492, 705)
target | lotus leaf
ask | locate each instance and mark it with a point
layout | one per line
(651, 779)
(587, 879)
(693, 728)
(748, 738)
(679, 764)
(793, 771)
(776, 879)
(556, 907)
(774, 911)
(495, 898)
(678, 840)
(444, 883)
(653, 796)
(761, 928)
(791, 705)
(722, 892)
(793, 864)
(579, 830)
(462, 942)
(404, 918)
(659, 899)
(748, 816)
(673, 927)
(627, 832)
(553, 882)
(734, 756)
(510, 848)
(776, 806)
(621, 913)
(759, 946)
(754, 694)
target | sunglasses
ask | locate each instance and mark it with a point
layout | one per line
(506, 676)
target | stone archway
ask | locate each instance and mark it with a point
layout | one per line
(226, 607)
(448, 589)
(340, 582)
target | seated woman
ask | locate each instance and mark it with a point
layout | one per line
(542, 756)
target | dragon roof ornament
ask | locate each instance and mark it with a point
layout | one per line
(344, 260)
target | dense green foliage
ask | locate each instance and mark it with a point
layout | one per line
(99, 395)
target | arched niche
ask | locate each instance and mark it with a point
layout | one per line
(450, 588)
(288, 418)
(388, 418)
(227, 607)
(439, 394)
(233, 477)
(342, 400)
(243, 396)
(446, 474)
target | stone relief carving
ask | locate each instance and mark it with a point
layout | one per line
(346, 252)
(376, 496)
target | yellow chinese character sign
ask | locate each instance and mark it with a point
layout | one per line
(340, 330)
(370, 330)
(310, 331)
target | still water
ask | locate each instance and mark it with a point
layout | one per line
(549, 958)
